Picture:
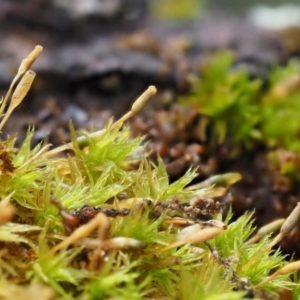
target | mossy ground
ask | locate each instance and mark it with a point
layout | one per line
(103, 222)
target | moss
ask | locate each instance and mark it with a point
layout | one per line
(115, 231)
(247, 112)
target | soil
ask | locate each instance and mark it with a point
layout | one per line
(95, 64)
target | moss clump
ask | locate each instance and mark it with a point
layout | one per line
(247, 112)
(105, 223)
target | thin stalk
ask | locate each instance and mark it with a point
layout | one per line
(83, 141)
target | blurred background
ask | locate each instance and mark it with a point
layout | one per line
(100, 54)
(278, 10)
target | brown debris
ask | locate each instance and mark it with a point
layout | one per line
(6, 165)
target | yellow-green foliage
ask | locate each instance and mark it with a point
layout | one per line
(244, 110)
(98, 180)
(248, 112)
(176, 9)
(133, 254)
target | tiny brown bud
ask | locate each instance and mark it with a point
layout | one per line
(141, 102)
(30, 59)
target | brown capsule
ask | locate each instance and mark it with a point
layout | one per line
(18, 95)
(141, 102)
(138, 105)
(275, 241)
(188, 231)
(291, 221)
(271, 227)
(190, 235)
(100, 222)
(179, 221)
(215, 223)
(124, 243)
(6, 214)
(22, 88)
(202, 235)
(30, 59)
(267, 229)
(117, 243)
(289, 224)
(287, 269)
(83, 141)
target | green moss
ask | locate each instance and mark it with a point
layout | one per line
(137, 251)
(176, 10)
(227, 100)
(245, 112)
(242, 109)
